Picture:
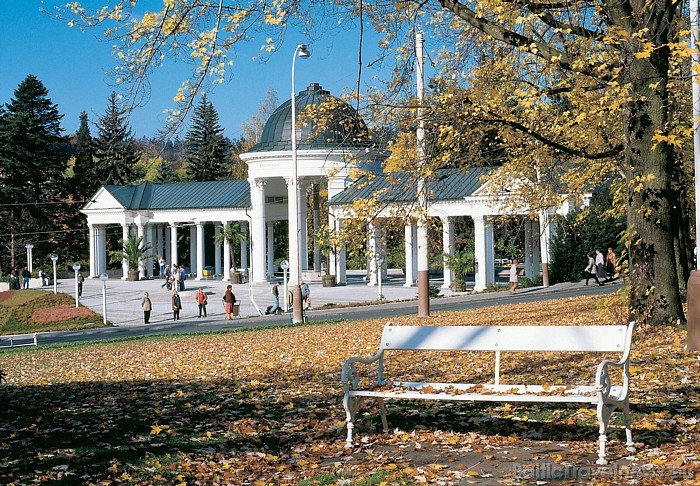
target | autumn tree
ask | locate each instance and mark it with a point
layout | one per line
(584, 83)
(115, 148)
(33, 157)
(206, 147)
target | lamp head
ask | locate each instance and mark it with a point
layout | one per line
(29, 246)
(76, 266)
(54, 257)
(104, 277)
(304, 51)
(284, 265)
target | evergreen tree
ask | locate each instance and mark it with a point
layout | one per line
(115, 148)
(33, 158)
(165, 174)
(206, 147)
(84, 182)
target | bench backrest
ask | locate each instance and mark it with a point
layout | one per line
(507, 338)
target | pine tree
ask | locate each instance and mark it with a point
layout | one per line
(84, 182)
(33, 158)
(165, 174)
(115, 148)
(206, 147)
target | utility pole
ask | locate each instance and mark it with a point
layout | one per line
(422, 226)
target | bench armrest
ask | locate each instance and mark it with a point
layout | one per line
(349, 375)
(603, 382)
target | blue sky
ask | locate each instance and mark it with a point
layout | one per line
(72, 65)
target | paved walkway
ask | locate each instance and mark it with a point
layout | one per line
(123, 298)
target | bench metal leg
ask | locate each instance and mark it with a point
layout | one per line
(382, 412)
(628, 427)
(351, 405)
(604, 413)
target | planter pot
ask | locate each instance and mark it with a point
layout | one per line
(132, 276)
(458, 285)
(236, 277)
(328, 280)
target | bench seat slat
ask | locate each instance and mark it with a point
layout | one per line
(469, 397)
(505, 338)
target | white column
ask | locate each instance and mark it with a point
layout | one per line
(483, 252)
(152, 239)
(257, 200)
(244, 246)
(548, 230)
(372, 249)
(448, 248)
(217, 251)
(93, 251)
(227, 258)
(409, 243)
(341, 264)
(141, 233)
(172, 239)
(316, 215)
(199, 228)
(125, 262)
(528, 248)
(270, 248)
(101, 249)
(414, 233)
(303, 229)
(193, 248)
(294, 231)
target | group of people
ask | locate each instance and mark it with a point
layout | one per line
(174, 276)
(26, 276)
(601, 266)
(229, 299)
(305, 298)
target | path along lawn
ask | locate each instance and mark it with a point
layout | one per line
(264, 407)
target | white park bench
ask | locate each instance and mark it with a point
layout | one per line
(546, 339)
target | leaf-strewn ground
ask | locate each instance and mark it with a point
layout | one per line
(265, 407)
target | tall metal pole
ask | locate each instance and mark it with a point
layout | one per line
(694, 281)
(422, 226)
(294, 263)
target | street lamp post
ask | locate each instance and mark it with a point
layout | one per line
(295, 273)
(103, 278)
(29, 247)
(54, 259)
(76, 267)
(285, 267)
(379, 262)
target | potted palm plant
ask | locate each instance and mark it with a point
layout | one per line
(460, 263)
(134, 250)
(232, 233)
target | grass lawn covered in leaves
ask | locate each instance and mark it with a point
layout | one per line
(24, 311)
(265, 407)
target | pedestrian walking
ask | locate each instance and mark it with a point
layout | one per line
(590, 270)
(600, 264)
(275, 307)
(15, 279)
(229, 301)
(513, 277)
(81, 279)
(177, 305)
(611, 264)
(305, 295)
(146, 306)
(25, 278)
(162, 264)
(183, 276)
(201, 302)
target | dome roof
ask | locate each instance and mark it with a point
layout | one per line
(345, 128)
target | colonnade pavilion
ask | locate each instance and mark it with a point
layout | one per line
(164, 213)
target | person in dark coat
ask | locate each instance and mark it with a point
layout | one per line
(177, 305)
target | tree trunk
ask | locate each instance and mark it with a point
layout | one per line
(654, 297)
